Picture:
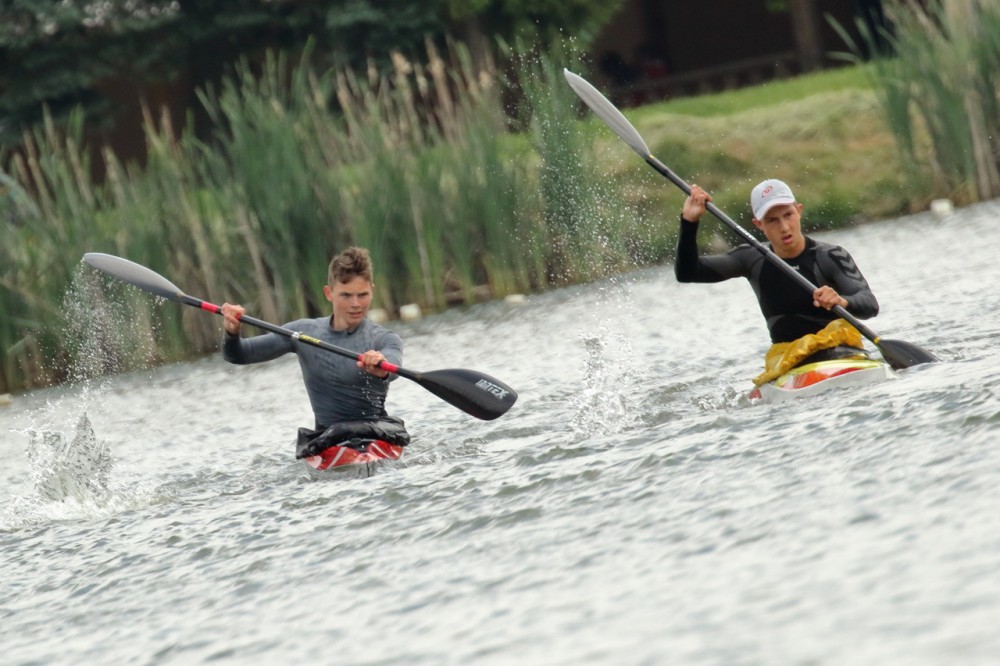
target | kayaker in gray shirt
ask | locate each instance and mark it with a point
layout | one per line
(341, 391)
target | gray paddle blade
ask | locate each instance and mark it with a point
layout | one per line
(607, 112)
(134, 274)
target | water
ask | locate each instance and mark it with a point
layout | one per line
(633, 507)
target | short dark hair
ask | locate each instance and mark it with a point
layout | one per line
(349, 264)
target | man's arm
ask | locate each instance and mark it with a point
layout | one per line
(243, 351)
(689, 267)
(387, 346)
(254, 350)
(838, 266)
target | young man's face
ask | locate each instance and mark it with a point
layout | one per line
(350, 300)
(782, 225)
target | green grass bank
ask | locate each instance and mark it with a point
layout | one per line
(822, 133)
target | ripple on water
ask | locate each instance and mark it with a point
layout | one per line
(632, 505)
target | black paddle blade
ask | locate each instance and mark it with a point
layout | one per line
(899, 354)
(134, 274)
(473, 392)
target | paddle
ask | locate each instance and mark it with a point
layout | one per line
(473, 392)
(897, 353)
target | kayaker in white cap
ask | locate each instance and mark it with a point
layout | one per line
(800, 324)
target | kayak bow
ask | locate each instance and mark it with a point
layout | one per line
(343, 455)
(812, 378)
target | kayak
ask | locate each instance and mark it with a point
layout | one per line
(353, 453)
(352, 443)
(817, 376)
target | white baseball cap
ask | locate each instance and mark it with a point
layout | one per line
(770, 193)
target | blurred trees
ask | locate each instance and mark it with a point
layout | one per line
(63, 53)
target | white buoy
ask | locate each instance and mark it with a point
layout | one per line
(378, 315)
(410, 312)
(942, 207)
(5, 399)
(514, 299)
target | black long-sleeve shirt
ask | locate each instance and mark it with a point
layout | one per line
(787, 308)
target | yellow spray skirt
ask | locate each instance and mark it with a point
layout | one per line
(783, 356)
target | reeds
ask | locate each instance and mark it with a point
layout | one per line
(939, 81)
(417, 164)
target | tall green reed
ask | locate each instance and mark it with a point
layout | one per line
(42, 323)
(939, 81)
(432, 135)
(589, 226)
(274, 153)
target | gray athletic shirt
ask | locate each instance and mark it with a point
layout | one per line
(338, 389)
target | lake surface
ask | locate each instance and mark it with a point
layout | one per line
(634, 507)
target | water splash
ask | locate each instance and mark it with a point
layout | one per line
(77, 467)
(70, 467)
(607, 403)
(105, 331)
(103, 336)
(74, 477)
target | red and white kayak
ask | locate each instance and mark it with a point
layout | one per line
(813, 378)
(354, 454)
